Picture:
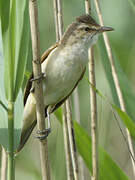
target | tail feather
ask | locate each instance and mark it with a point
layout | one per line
(25, 135)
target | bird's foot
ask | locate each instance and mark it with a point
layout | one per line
(43, 75)
(43, 134)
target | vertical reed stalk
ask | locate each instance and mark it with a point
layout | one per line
(116, 80)
(11, 167)
(59, 32)
(55, 8)
(58, 19)
(65, 128)
(66, 116)
(94, 123)
(33, 12)
(66, 146)
(3, 165)
(76, 104)
(93, 104)
(81, 166)
(72, 140)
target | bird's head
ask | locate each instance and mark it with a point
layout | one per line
(83, 30)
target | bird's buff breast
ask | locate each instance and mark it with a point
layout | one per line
(63, 70)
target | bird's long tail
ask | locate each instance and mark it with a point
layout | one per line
(25, 136)
(29, 120)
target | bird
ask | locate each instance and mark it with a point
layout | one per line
(63, 66)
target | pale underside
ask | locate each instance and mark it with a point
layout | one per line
(62, 72)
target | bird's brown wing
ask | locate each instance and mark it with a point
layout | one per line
(29, 82)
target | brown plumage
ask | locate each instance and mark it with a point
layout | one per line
(29, 83)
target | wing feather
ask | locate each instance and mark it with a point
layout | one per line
(29, 82)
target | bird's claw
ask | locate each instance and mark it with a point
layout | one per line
(43, 134)
(43, 75)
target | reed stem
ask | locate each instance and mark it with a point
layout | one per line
(11, 167)
(93, 105)
(33, 12)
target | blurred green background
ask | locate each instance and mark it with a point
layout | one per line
(119, 15)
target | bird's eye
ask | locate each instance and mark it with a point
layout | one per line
(87, 29)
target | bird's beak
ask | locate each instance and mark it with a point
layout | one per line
(104, 28)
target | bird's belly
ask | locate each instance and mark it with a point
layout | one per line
(61, 79)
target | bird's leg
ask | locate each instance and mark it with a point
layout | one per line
(43, 134)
